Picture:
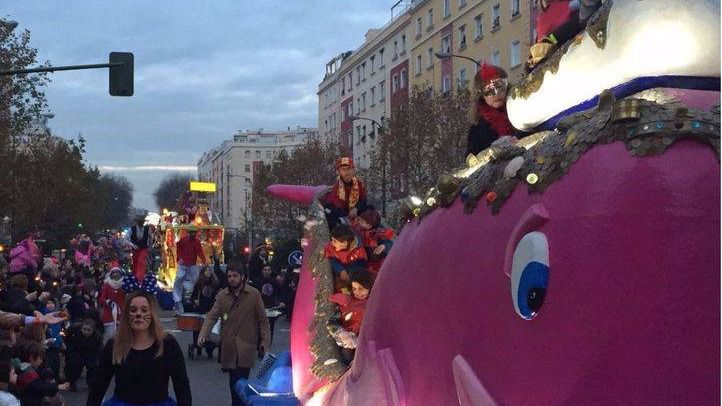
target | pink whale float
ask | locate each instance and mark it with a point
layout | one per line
(587, 274)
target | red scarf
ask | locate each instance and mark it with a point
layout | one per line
(497, 119)
(354, 194)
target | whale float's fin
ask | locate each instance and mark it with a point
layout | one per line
(469, 389)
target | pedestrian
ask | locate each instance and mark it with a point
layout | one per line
(111, 299)
(188, 250)
(245, 332)
(203, 298)
(54, 342)
(489, 118)
(83, 343)
(33, 383)
(141, 358)
(8, 378)
(140, 237)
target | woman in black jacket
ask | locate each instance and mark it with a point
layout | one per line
(489, 118)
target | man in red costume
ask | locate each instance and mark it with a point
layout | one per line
(347, 197)
(140, 237)
(188, 250)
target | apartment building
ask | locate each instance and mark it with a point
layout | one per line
(233, 165)
(498, 32)
(355, 95)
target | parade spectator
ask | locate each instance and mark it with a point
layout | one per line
(34, 384)
(203, 298)
(345, 253)
(141, 238)
(188, 249)
(271, 288)
(15, 298)
(244, 326)
(8, 378)
(83, 342)
(259, 259)
(79, 304)
(54, 342)
(377, 240)
(141, 358)
(347, 197)
(84, 251)
(111, 299)
(25, 257)
(489, 118)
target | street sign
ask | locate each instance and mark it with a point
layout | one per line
(295, 258)
(121, 74)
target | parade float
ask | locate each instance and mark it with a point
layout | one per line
(193, 213)
(578, 266)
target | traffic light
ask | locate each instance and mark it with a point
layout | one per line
(121, 77)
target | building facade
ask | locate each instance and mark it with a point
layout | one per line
(233, 165)
(498, 32)
(358, 84)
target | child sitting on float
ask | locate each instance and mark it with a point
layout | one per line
(346, 326)
(377, 239)
(346, 255)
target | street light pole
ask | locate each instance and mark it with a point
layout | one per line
(383, 166)
(447, 55)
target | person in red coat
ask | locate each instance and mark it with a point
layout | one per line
(188, 250)
(346, 255)
(112, 296)
(377, 240)
(351, 312)
(347, 197)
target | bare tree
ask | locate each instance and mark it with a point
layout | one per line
(170, 190)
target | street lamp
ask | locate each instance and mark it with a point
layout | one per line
(447, 55)
(383, 166)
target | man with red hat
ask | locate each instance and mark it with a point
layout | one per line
(347, 196)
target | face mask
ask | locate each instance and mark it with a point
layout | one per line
(495, 87)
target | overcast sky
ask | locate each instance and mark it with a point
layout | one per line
(203, 69)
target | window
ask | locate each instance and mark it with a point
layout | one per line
(462, 3)
(418, 64)
(446, 84)
(418, 27)
(515, 8)
(358, 106)
(431, 19)
(496, 58)
(358, 75)
(462, 78)
(446, 44)
(350, 109)
(372, 58)
(395, 84)
(478, 28)
(396, 48)
(373, 96)
(247, 168)
(247, 155)
(258, 154)
(403, 43)
(381, 58)
(382, 90)
(447, 8)
(363, 71)
(515, 53)
(403, 78)
(363, 101)
(496, 17)
(430, 55)
(462, 37)
(350, 81)
(268, 154)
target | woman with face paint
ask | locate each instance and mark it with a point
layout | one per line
(141, 357)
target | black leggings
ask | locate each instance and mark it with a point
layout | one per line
(233, 376)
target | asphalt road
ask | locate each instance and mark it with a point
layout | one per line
(209, 385)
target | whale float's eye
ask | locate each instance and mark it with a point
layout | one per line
(530, 274)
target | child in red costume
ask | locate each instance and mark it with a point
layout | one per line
(377, 240)
(346, 254)
(352, 309)
(111, 296)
